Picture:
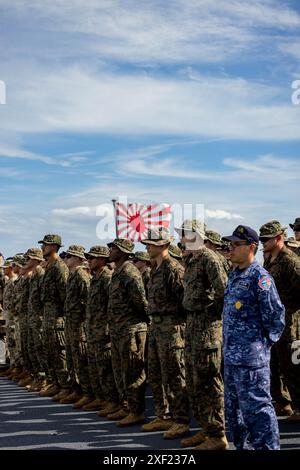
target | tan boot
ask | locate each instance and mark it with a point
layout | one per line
(72, 398)
(63, 393)
(157, 424)
(294, 418)
(110, 408)
(95, 405)
(283, 410)
(83, 401)
(214, 443)
(118, 415)
(24, 382)
(23, 375)
(177, 430)
(194, 440)
(131, 419)
(50, 392)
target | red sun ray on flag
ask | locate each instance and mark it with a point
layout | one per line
(134, 220)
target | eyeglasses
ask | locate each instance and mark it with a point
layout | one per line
(68, 256)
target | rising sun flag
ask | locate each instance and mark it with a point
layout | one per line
(134, 220)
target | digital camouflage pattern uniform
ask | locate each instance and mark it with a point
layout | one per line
(285, 269)
(204, 284)
(127, 314)
(35, 313)
(9, 317)
(215, 238)
(18, 260)
(98, 336)
(166, 341)
(75, 312)
(53, 293)
(166, 336)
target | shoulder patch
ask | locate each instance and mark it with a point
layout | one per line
(264, 282)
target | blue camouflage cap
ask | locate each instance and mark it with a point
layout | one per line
(243, 233)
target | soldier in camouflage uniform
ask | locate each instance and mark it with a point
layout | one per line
(296, 228)
(128, 328)
(176, 253)
(53, 294)
(166, 340)
(75, 311)
(214, 242)
(204, 284)
(34, 257)
(142, 262)
(284, 266)
(292, 244)
(8, 315)
(98, 335)
(22, 311)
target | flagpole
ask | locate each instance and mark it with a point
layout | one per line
(115, 212)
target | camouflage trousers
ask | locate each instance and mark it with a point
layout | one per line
(105, 370)
(203, 358)
(288, 357)
(76, 354)
(35, 345)
(11, 339)
(23, 325)
(166, 372)
(94, 377)
(279, 390)
(128, 363)
(54, 344)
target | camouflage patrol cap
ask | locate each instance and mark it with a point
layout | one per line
(34, 253)
(51, 239)
(76, 250)
(19, 260)
(157, 236)
(141, 256)
(292, 242)
(193, 225)
(271, 229)
(175, 252)
(296, 225)
(214, 237)
(124, 245)
(98, 251)
(8, 263)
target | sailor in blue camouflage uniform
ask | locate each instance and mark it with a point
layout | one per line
(253, 320)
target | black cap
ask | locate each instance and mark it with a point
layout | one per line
(243, 233)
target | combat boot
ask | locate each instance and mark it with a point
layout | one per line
(283, 410)
(95, 405)
(83, 401)
(25, 381)
(63, 393)
(294, 418)
(110, 408)
(177, 430)
(74, 397)
(157, 424)
(22, 375)
(214, 443)
(119, 414)
(194, 440)
(131, 419)
(38, 386)
(50, 392)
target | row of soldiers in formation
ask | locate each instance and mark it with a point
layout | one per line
(91, 329)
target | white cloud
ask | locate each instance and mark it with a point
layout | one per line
(220, 214)
(83, 210)
(76, 100)
(154, 31)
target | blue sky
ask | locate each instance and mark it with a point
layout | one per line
(176, 101)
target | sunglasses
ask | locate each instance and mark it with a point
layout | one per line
(90, 258)
(265, 239)
(68, 256)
